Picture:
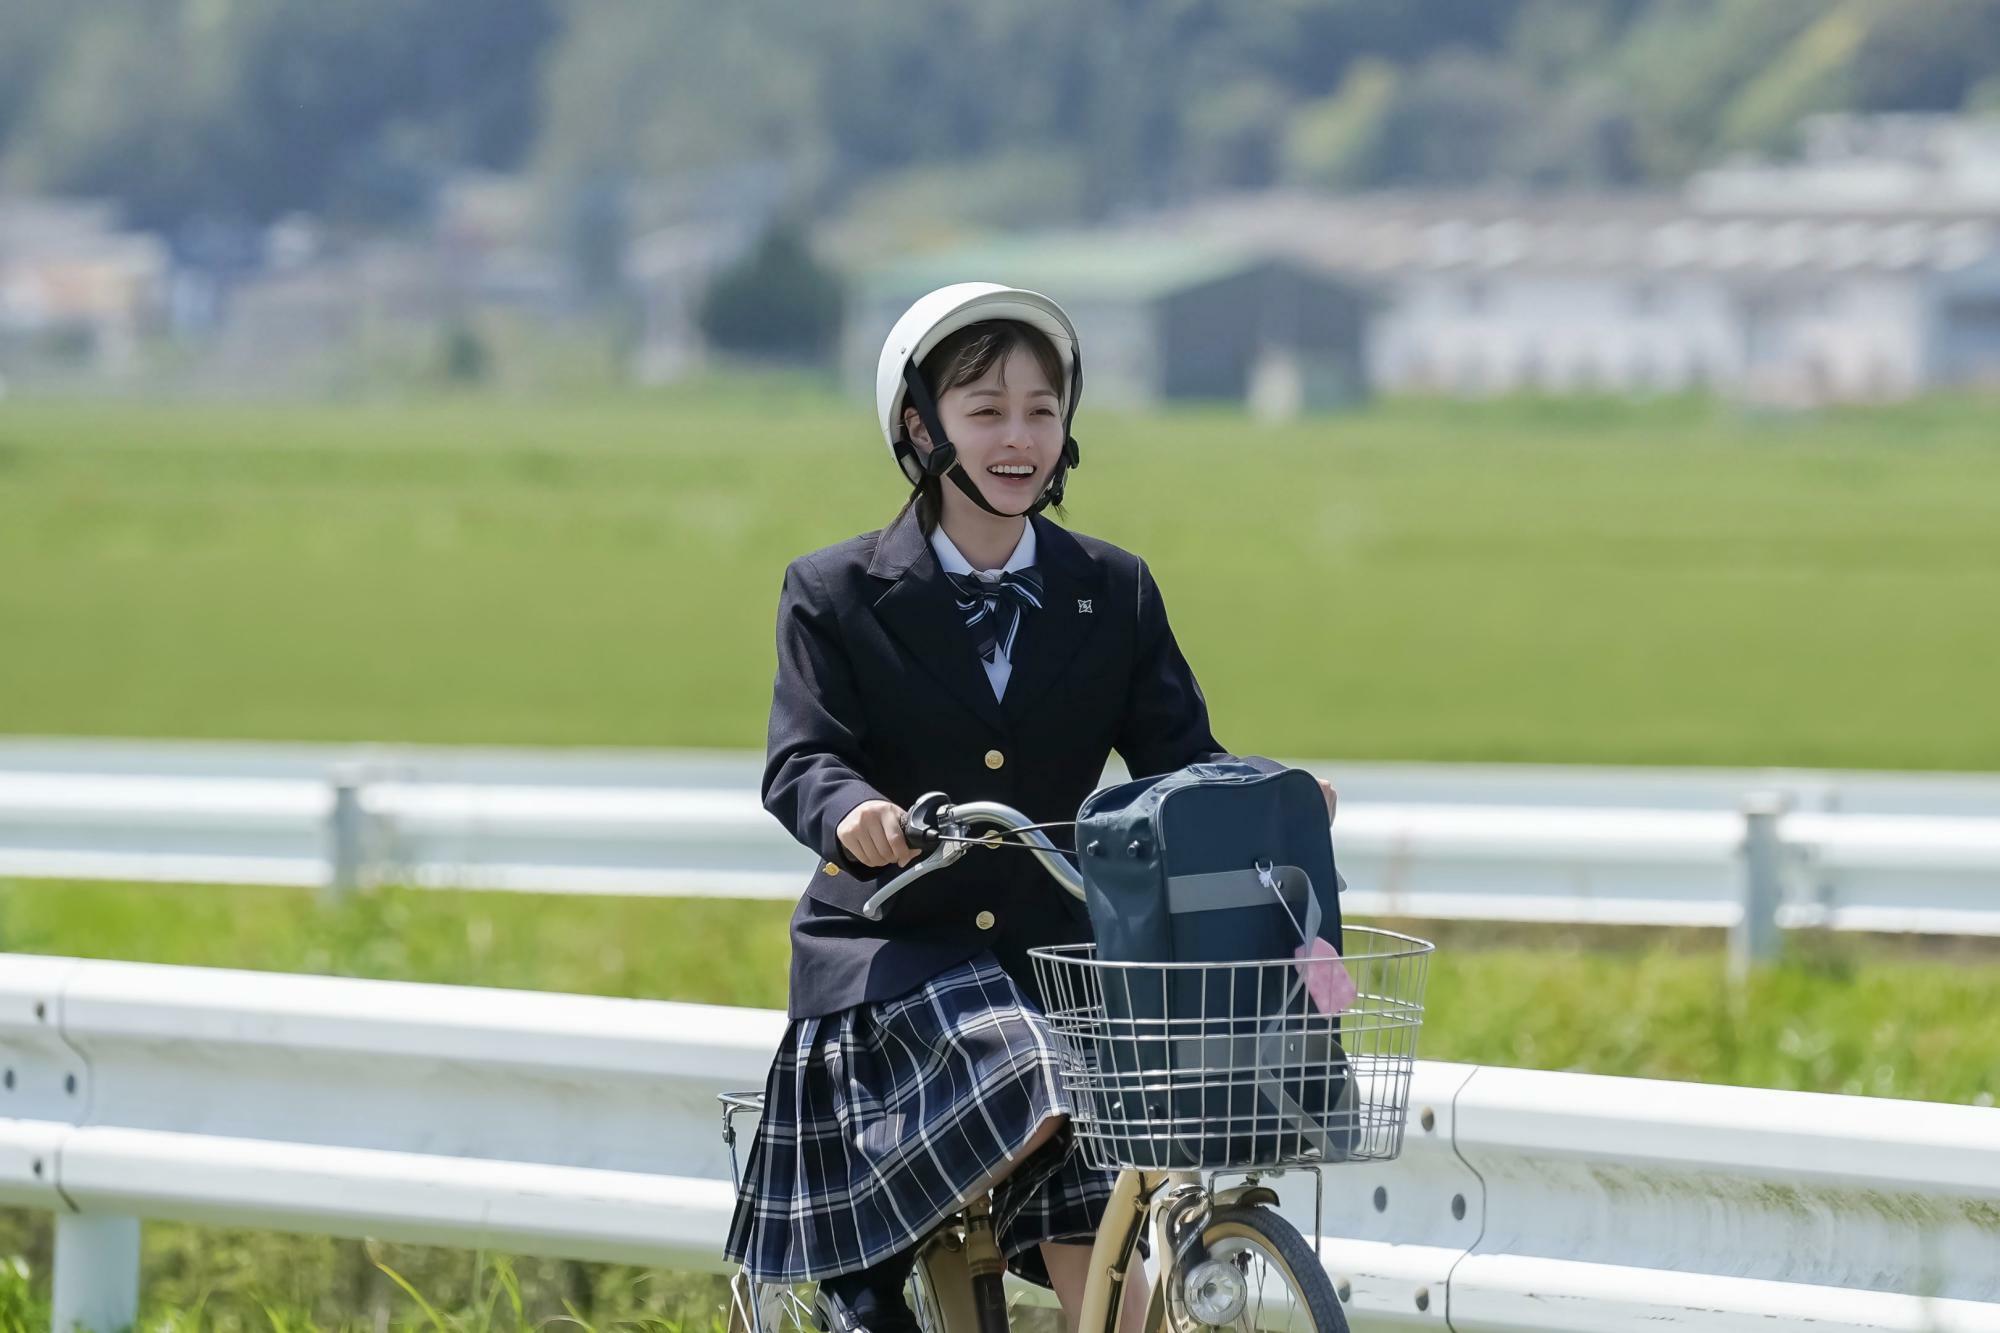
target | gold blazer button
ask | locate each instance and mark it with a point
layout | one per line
(994, 759)
(984, 921)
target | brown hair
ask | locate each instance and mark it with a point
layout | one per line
(963, 357)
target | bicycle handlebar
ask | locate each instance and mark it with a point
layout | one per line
(933, 821)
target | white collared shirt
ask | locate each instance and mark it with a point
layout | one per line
(999, 669)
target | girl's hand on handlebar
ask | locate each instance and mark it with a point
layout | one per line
(1332, 798)
(872, 833)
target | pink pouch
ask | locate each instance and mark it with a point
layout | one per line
(1326, 978)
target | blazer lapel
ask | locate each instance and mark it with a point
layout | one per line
(1072, 604)
(921, 610)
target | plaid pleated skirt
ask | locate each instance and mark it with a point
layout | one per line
(880, 1119)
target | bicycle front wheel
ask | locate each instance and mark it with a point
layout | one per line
(938, 1293)
(1264, 1277)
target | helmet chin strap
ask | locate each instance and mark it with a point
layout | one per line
(942, 461)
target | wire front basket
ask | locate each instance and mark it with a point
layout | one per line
(1238, 1065)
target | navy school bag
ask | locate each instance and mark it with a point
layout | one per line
(1214, 1066)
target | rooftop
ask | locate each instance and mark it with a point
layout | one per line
(1398, 234)
(1082, 265)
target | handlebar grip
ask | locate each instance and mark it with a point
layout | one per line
(920, 821)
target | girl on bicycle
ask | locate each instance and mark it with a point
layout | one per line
(974, 647)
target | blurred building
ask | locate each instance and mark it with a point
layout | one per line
(314, 309)
(1491, 294)
(1161, 318)
(1868, 269)
(77, 291)
(319, 304)
(490, 234)
(1899, 164)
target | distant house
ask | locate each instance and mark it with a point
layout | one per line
(1896, 164)
(1160, 318)
(1489, 294)
(77, 293)
(1965, 346)
(487, 231)
(305, 318)
(320, 303)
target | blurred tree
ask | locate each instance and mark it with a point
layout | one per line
(1233, 133)
(182, 108)
(1681, 64)
(1334, 141)
(1812, 73)
(636, 90)
(1586, 138)
(1023, 187)
(1554, 41)
(30, 36)
(1333, 33)
(465, 358)
(1456, 120)
(777, 302)
(1163, 99)
(124, 111)
(228, 112)
(1927, 57)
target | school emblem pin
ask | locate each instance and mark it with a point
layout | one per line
(1083, 606)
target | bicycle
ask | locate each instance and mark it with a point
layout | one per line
(1254, 1082)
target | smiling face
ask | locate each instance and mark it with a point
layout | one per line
(1007, 424)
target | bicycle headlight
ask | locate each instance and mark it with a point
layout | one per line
(1215, 1292)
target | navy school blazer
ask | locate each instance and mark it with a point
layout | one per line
(880, 695)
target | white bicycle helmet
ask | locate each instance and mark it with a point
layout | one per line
(898, 379)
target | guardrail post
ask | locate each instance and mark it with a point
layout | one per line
(1755, 939)
(96, 1273)
(346, 831)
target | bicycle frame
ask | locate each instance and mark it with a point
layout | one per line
(952, 1264)
(959, 1265)
(954, 1258)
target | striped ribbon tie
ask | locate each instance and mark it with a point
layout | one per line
(992, 607)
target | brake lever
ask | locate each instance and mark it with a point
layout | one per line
(932, 820)
(945, 853)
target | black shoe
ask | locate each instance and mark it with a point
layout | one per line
(870, 1301)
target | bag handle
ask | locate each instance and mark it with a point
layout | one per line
(1223, 770)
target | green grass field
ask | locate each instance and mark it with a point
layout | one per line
(1666, 583)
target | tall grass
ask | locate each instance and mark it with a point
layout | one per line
(1668, 583)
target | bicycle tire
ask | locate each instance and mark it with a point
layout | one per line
(784, 1308)
(794, 1307)
(925, 1300)
(1290, 1257)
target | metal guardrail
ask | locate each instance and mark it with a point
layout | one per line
(1746, 851)
(585, 1127)
(1513, 785)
